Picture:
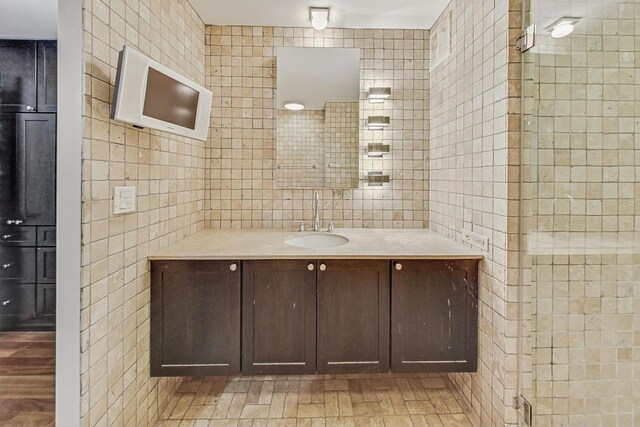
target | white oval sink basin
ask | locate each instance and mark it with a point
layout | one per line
(316, 240)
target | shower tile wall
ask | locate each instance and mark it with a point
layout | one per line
(169, 173)
(241, 151)
(474, 181)
(582, 218)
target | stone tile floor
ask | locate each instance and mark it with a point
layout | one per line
(331, 400)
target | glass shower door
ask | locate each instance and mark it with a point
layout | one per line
(580, 287)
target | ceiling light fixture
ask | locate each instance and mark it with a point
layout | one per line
(294, 106)
(563, 27)
(377, 95)
(319, 17)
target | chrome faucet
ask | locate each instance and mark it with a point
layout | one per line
(316, 211)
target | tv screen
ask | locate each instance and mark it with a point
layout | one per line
(169, 100)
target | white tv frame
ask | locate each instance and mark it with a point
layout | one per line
(129, 96)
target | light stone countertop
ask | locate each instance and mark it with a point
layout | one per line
(269, 244)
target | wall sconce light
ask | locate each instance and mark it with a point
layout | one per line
(377, 150)
(378, 122)
(377, 95)
(319, 17)
(377, 179)
(294, 106)
(563, 27)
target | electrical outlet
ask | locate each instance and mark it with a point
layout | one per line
(475, 240)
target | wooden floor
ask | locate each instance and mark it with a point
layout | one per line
(384, 400)
(27, 378)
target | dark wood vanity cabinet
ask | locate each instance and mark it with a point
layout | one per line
(279, 317)
(434, 316)
(353, 316)
(308, 316)
(195, 318)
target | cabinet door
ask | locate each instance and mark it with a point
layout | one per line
(36, 169)
(17, 76)
(279, 317)
(7, 166)
(195, 318)
(353, 316)
(17, 265)
(47, 76)
(17, 304)
(47, 265)
(434, 316)
(46, 301)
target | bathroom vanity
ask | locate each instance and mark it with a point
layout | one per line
(230, 302)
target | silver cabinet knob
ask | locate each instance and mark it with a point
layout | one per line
(6, 236)
(233, 267)
(7, 265)
(30, 108)
(398, 266)
(323, 267)
(311, 267)
(7, 302)
(14, 221)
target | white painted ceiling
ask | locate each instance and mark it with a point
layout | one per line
(29, 19)
(411, 14)
(316, 75)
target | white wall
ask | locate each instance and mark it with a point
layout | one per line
(70, 94)
(29, 19)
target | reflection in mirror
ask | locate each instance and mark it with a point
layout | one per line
(318, 118)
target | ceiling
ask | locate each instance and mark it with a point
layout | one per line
(406, 14)
(29, 19)
(315, 76)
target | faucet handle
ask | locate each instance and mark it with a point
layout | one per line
(331, 227)
(302, 228)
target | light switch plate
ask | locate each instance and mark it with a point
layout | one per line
(124, 200)
(475, 239)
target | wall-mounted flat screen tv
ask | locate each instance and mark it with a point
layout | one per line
(148, 94)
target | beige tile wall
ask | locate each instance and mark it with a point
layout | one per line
(300, 149)
(342, 145)
(473, 178)
(241, 150)
(169, 174)
(582, 218)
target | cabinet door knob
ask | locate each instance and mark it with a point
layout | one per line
(6, 236)
(233, 267)
(398, 266)
(323, 267)
(7, 302)
(14, 221)
(311, 267)
(30, 108)
(7, 265)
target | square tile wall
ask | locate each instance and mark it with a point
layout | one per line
(474, 182)
(241, 70)
(300, 149)
(169, 173)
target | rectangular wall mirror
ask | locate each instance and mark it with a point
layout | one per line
(318, 117)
